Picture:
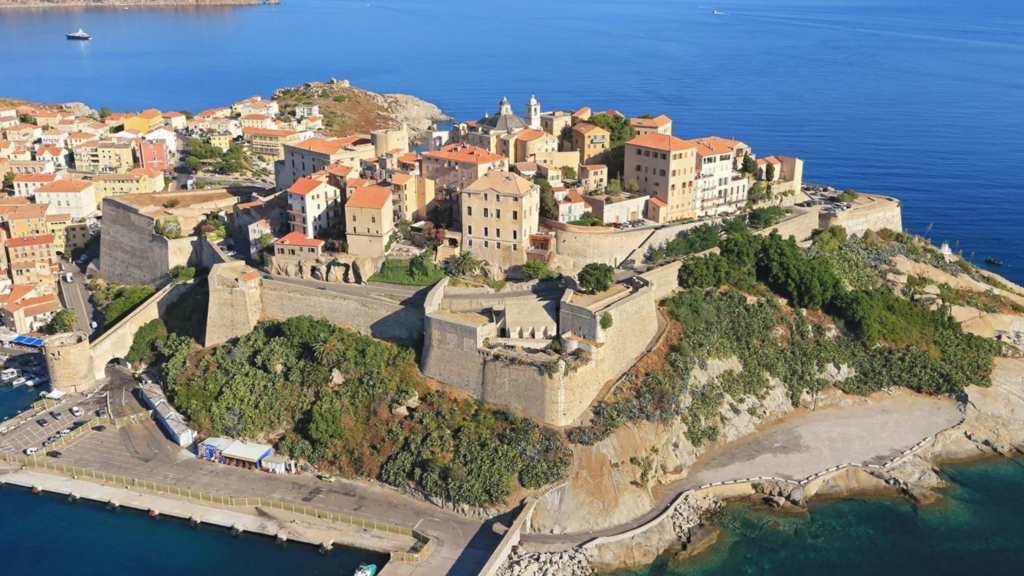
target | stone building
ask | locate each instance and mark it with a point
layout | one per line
(316, 154)
(313, 205)
(591, 141)
(718, 187)
(369, 221)
(456, 166)
(74, 197)
(500, 211)
(665, 169)
(660, 125)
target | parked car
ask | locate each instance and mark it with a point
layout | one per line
(102, 412)
(56, 415)
(49, 441)
(31, 451)
(99, 428)
(54, 454)
(76, 411)
(327, 477)
(41, 422)
(64, 432)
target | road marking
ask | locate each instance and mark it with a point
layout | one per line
(418, 524)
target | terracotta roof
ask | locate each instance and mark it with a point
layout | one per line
(321, 146)
(714, 145)
(611, 112)
(409, 158)
(595, 166)
(298, 239)
(400, 178)
(250, 275)
(65, 186)
(81, 136)
(369, 197)
(41, 305)
(650, 122)
(661, 142)
(173, 114)
(464, 153)
(304, 186)
(254, 117)
(769, 160)
(51, 150)
(150, 114)
(337, 169)
(573, 196)
(47, 178)
(58, 217)
(530, 135)
(30, 241)
(18, 292)
(658, 202)
(581, 112)
(587, 128)
(501, 182)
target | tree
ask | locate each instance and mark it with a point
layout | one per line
(568, 173)
(848, 195)
(435, 235)
(606, 321)
(536, 270)
(769, 172)
(9, 180)
(105, 112)
(631, 186)
(404, 229)
(749, 164)
(186, 114)
(765, 217)
(62, 321)
(548, 206)
(266, 240)
(194, 164)
(620, 131)
(596, 277)
(614, 186)
(464, 263)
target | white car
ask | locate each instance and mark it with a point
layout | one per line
(31, 451)
(76, 411)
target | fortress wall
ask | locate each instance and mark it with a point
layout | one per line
(525, 389)
(875, 213)
(235, 305)
(451, 353)
(664, 279)
(132, 253)
(374, 317)
(609, 247)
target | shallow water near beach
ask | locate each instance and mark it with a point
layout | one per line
(978, 530)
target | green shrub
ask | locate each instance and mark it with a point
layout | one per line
(606, 321)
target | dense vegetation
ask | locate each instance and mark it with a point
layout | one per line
(116, 300)
(596, 277)
(62, 321)
(335, 398)
(419, 271)
(620, 131)
(886, 340)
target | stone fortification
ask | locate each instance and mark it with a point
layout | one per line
(869, 213)
(69, 362)
(340, 268)
(463, 348)
(235, 305)
(132, 252)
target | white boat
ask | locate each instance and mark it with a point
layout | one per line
(366, 570)
(717, 13)
(78, 35)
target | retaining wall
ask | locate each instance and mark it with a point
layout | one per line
(872, 213)
(511, 538)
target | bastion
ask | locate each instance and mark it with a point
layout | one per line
(69, 361)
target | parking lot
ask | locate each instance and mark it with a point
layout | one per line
(29, 433)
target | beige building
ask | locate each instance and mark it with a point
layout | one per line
(31, 261)
(134, 182)
(25, 309)
(369, 221)
(718, 187)
(68, 235)
(556, 123)
(499, 212)
(221, 141)
(270, 143)
(412, 195)
(25, 185)
(175, 120)
(593, 176)
(105, 156)
(531, 143)
(591, 141)
(660, 125)
(316, 154)
(456, 166)
(26, 220)
(74, 197)
(665, 169)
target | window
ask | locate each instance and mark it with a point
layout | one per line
(497, 245)
(470, 242)
(470, 230)
(353, 217)
(485, 213)
(515, 214)
(485, 231)
(497, 232)
(515, 248)
(485, 244)
(497, 213)
(515, 234)
(469, 210)
(373, 219)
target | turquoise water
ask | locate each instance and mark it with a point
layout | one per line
(45, 535)
(920, 99)
(15, 399)
(979, 531)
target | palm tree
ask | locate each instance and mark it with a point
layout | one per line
(464, 264)
(327, 350)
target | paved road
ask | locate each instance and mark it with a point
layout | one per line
(799, 446)
(76, 295)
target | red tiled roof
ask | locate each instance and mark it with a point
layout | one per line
(661, 142)
(304, 186)
(298, 239)
(36, 178)
(369, 197)
(658, 202)
(464, 153)
(65, 186)
(30, 241)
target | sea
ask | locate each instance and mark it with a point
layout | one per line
(918, 99)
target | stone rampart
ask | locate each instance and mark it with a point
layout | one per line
(116, 341)
(235, 303)
(597, 244)
(375, 317)
(871, 213)
(131, 252)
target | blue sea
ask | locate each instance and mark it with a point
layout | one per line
(919, 99)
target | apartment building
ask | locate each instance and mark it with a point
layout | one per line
(270, 143)
(718, 187)
(25, 309)
(593, 176)
(313, 205)
(145, 121)
(530, 143)
(369, 221)
(25, 220)
(68, 235)
(31, 260)
(175, 120)
(499, 212)
(571, 205)
(315, 154)
(105, 156)
(25, 185)
(54, 154)
(591, 141)
(74, 197)
(412, 195)
(134, 182)
(665, 169)
(456, 166)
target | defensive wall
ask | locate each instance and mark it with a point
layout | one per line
(870, 213)
(554, 389)
(241, 296)
(76, 365)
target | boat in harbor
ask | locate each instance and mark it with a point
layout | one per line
(366, 570)
(78, 35)
(993, 262)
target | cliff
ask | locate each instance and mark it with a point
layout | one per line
(140, 3)
(347, 110)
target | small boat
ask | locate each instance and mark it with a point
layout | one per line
(79, 35)
(993, 262)
(717, 13)
(366, 570)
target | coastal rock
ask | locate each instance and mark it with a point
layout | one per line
(568, 563)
